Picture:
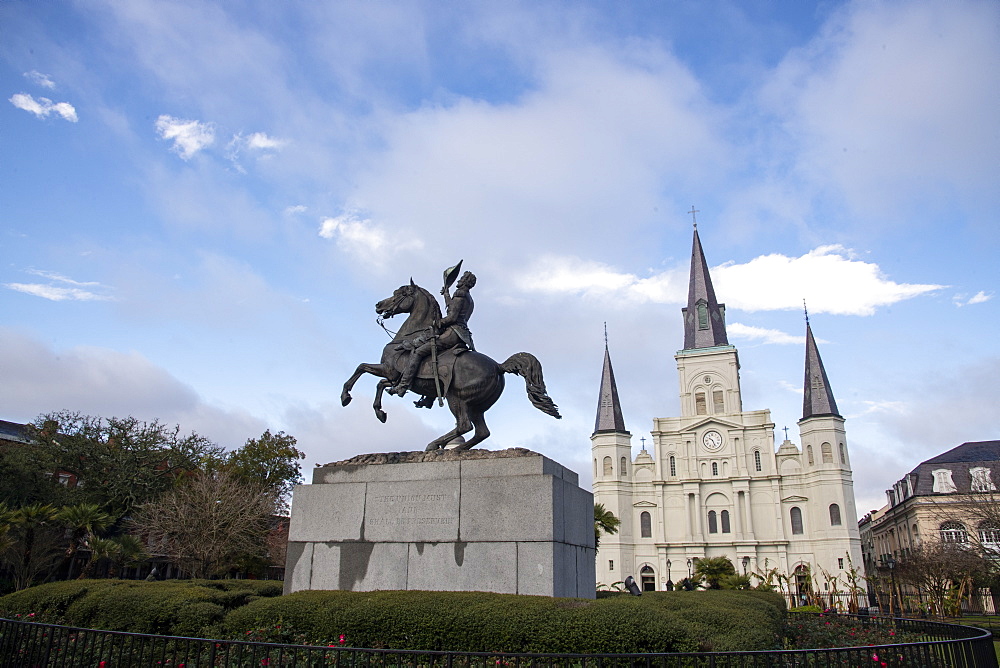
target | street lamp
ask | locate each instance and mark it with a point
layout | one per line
(669, 583)
(891, 563)
(690, 571)
(746, 564)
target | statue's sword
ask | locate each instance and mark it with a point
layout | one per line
(437, 376)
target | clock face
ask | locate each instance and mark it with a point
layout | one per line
(712, 440)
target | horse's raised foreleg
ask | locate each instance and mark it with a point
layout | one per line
(379, 389)
(363, 368)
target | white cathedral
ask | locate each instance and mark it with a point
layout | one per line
(714, 485)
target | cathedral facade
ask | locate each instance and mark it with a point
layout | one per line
(714, 484)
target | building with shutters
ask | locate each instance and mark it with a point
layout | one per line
(714, 484)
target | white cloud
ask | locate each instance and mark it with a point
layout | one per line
(361, 236)
(295, 209)
(893, 106)
(189, 137)
(44, 107)
(829, 278)
(261, 142)
(39, 79)
(56, 293)
(741, 331)
(978, 298)
(69, 290)
(101, 381)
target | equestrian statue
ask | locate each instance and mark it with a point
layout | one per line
(435, 357)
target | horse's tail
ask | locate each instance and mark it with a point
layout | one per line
(528, 367)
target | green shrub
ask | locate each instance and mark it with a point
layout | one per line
(461, 621)
(168, 607)
(476, 621)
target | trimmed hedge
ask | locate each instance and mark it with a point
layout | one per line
(476, 621)
(459, 621)
(169, 607)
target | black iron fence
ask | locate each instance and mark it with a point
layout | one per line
(32, 645)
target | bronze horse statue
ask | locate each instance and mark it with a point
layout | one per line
(471, 382)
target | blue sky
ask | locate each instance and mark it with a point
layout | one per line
(200, 204)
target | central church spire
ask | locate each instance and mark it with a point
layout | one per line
(704, 316)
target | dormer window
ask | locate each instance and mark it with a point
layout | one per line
(981, 481)
(943, 484)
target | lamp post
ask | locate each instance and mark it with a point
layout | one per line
(670, 582)
(746, 564)
(891, 563)
(690, 571)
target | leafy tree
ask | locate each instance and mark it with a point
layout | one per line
(604, 522)
(120, 462)
(209, 523)
(711, 571)
(26, 475)
(270, 462)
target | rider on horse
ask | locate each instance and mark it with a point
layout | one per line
(452, 331)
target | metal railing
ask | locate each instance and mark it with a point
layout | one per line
(27, 644)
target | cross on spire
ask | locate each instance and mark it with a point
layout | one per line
(605, 333)
(643, 439)
(805, 309)
(694, 218)
(786, 433)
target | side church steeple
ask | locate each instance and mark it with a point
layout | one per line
(817, 396)
(609, 408)
(824, 439)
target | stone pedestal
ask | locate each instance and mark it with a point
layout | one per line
(512, 522)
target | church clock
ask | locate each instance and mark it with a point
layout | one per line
(712, 440)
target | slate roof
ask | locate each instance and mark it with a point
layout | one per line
(958, 460)
(13, 431)
(817, 396)
(700, 290)
(973, 451)
(609, 408)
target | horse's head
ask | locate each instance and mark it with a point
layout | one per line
(401, 301)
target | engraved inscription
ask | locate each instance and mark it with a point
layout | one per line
(401, 510)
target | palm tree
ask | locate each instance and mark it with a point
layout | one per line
(100, 548)
(82, 520)
(604, 522)
(30, 520)
(130, 552)
(713, 569)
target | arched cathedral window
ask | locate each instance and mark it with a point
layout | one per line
(713, 522)
(843, 454)
(718, 403)
(809, 455)
(715, 468)
(834, 515)
(624, 467)
(724, 517)
(756, 460)
(796, 516)
(645, 525)
(827, 451)
(673, 467)
(608, 472)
